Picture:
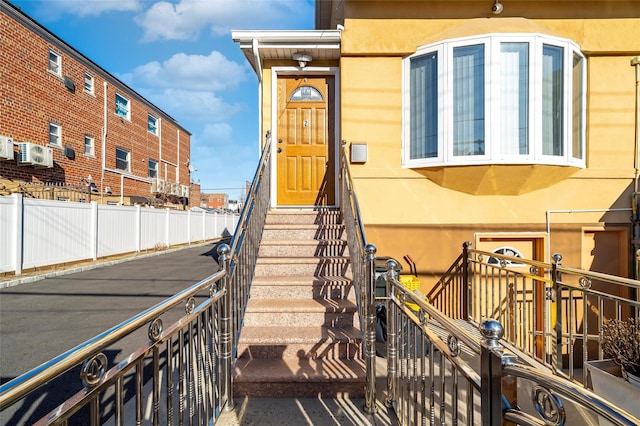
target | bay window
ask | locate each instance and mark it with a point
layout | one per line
(499, 98)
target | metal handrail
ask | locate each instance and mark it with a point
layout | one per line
(412, 322)
(19, 387)
(362, 257)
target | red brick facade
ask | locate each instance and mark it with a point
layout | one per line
(33, 97)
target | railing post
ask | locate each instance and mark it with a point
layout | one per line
(370, 328)
(493, 385)
(556, 360)
(226, 326)
(392, 335)
(466, 280)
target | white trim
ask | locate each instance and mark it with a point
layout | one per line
(281, 71)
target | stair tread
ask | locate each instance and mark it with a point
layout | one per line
(302, 241)
(301, 305)
(304, 259)
(298, 369)
(301, 334)
(300, 280)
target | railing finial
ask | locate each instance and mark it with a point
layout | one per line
(557, 258)
(492, 331)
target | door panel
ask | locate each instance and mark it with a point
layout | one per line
(305, 147)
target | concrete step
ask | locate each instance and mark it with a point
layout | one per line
(301, 287)
(301, 312)
(317, 267)
(285, 216)
(303, 248)
(300, 342)
(302, 232)
(299, 377)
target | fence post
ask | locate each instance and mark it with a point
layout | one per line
(18, 240)
(93, 233)
(166, 228)
(494, 386)
(556, 361)
(466, 280)
(392, 334)
(370, 328)
(138, 229)
(226, 326)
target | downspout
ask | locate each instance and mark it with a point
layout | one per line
(635, 217)
(104, 145)
(160, 147)
(178, 162)
(256, 54)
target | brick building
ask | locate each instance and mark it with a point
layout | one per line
(214, 201)
(67, 124)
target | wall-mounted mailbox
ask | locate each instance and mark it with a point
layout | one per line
(358, 152)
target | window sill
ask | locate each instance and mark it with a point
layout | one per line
(497, 179)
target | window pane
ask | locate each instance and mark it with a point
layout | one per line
(552, 88)
(468, 100)
(122, 106)
(153, 168)
(514, 98)
(122, 159)
(306, 93)
(424, 107)
(576, 150)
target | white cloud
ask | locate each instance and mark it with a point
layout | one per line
(185, 19)
(191, 72)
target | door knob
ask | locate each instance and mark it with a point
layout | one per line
(279, 150)
(279, 140)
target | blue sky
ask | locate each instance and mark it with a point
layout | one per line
(180, 56)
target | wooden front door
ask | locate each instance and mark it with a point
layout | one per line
(305, 147)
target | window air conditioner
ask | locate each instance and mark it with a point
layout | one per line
(6, 148)
(157, 185)
(35, 155)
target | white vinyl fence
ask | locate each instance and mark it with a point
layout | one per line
(36, 233)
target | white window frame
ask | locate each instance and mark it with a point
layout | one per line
(127, 114)
(89, 142)
(55, 64)
(153, 171)
(55, 134)
(127, 159)
(154, 119)
(89, 83)
(492, 153)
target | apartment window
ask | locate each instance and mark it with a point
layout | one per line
(55, 134)
(89, 147)
(509, 99)
(55, 63)
(122, 159)
(152, 125)
(123, 107)
(153, 168)
(88, 83)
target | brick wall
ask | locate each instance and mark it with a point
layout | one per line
(32, 97)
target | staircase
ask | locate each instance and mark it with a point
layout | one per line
(301, 335)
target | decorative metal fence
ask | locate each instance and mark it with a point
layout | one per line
(447, 371)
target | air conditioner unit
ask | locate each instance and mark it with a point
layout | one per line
(6, 148)
(157, 186)
(174, 188)
(184, 191)
(36, 155)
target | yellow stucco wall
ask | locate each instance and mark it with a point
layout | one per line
(403, 208)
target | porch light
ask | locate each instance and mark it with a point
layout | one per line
(302, 58)
(497, 8)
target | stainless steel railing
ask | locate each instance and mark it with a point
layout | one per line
(176, 372)
(445, 371)
(182, 373)
(552, 313)
(362, 259)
